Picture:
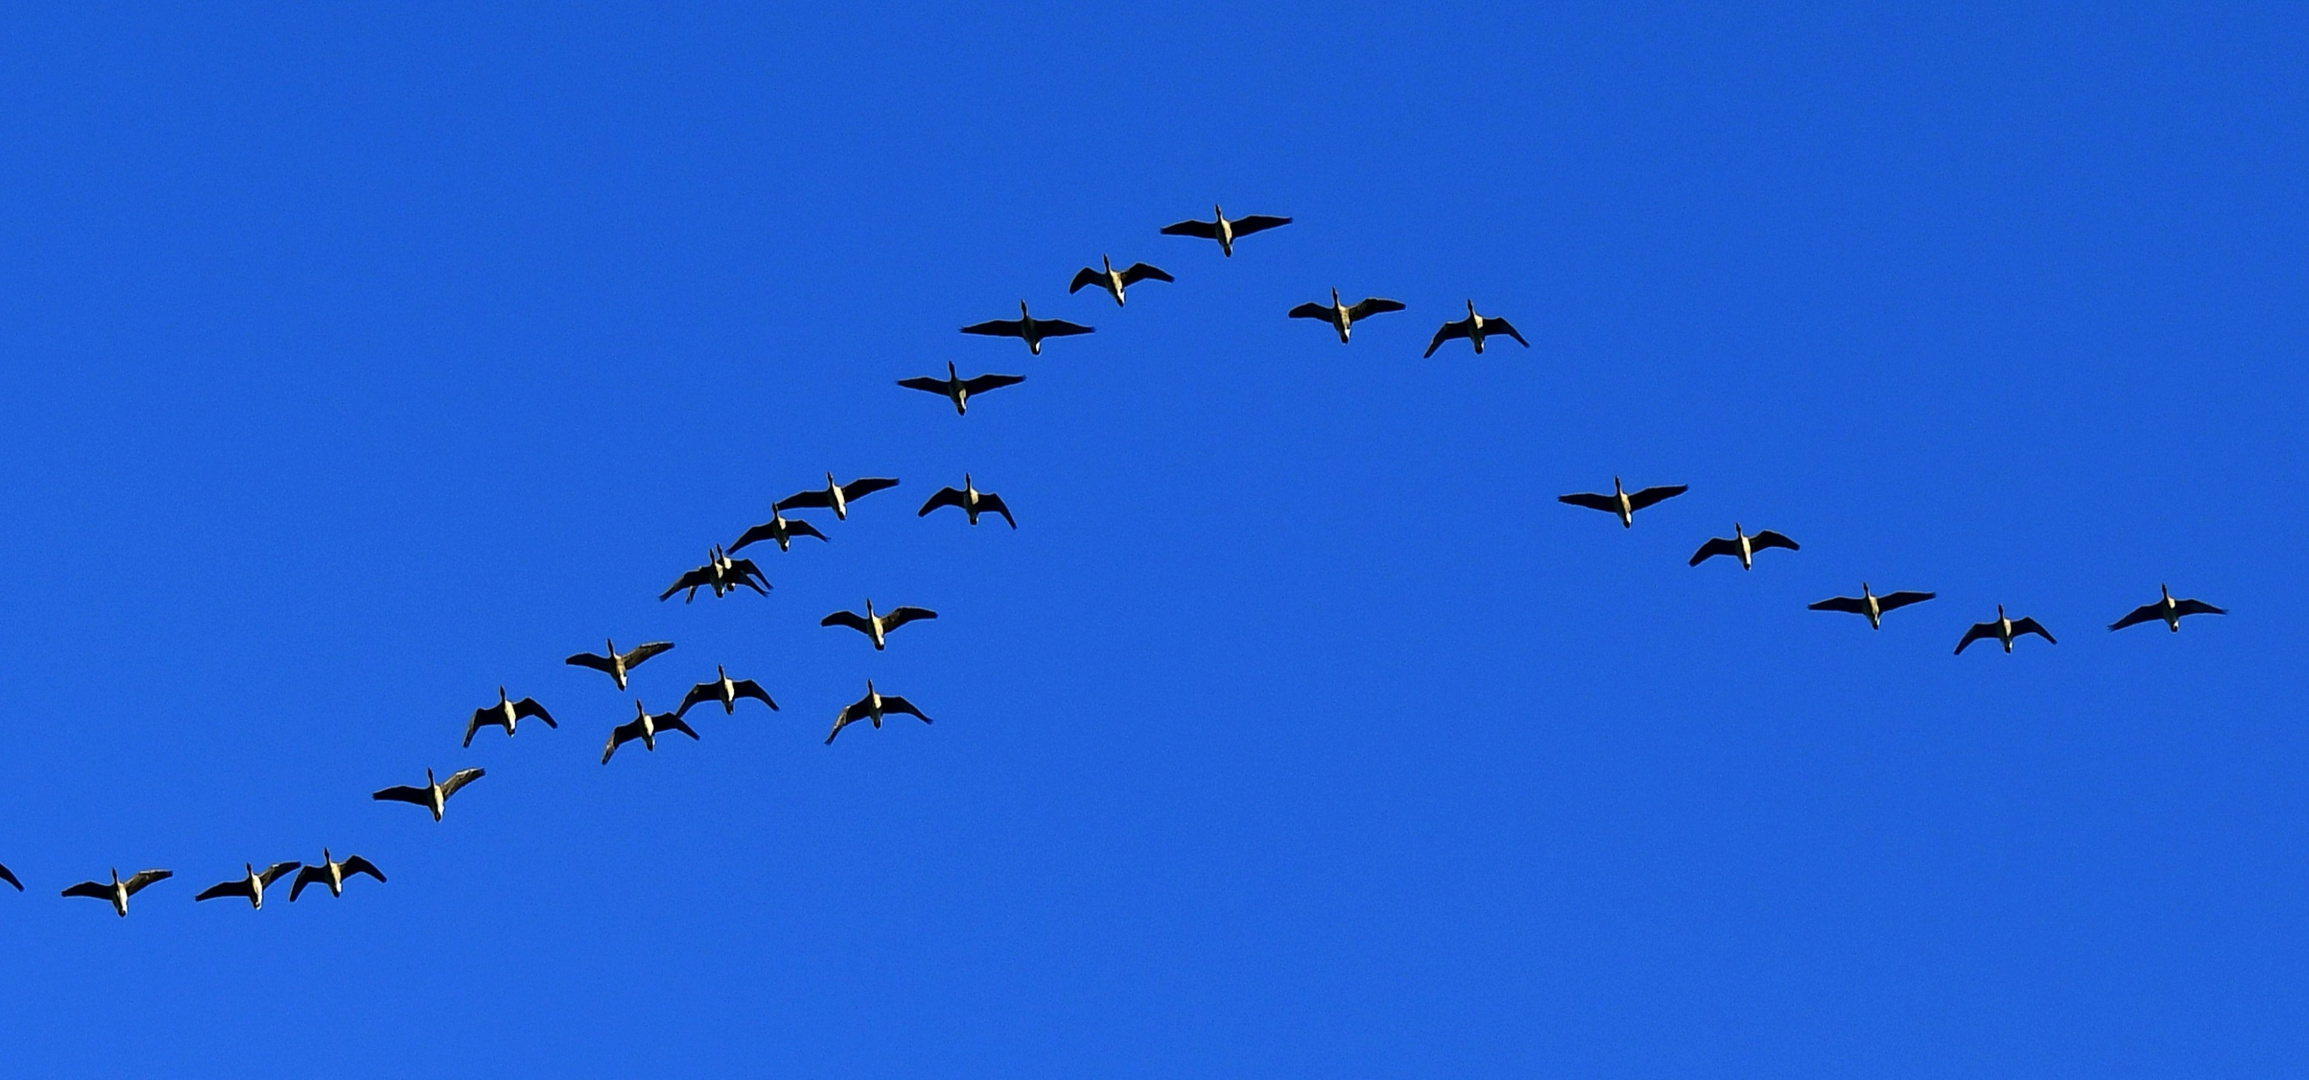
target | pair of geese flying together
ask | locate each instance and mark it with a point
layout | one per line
(2004, 630)
(1342, 317)
(647, 726)
(722, 574)
(1623, 504)
(330, 871)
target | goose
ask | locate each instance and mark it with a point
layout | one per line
(1870, 604)
(435, 794)
(2003, 630)
(117, 892)
(332, 872)
(958, 389)
(252, 887)
(10, 879)
(1343, 317)
(1224, 231)
(874, 706)
(972, 501)
(507, 714)
(727, 691)
(722, 574)
(645, 727)
(1474, 328)
(1029, 328)
(615, 664)
(875, 626)
(1622, 502)
(1743, 545)
(1115, 281)
(779, 528)
(833, 496)
(2168, 609)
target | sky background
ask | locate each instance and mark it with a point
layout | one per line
(353, 363)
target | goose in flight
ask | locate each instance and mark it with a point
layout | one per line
(2168, 609)
(959, 390)
(1028, 328)
(1115, 281)
(252, 887)
(779, 528)
(875, 626)
(332, 873)
(1623, 503)
(645, 727)
(507, 714)
(116, 892)
(1474, 328)
(722, 574)
(1870, 604)
(874, 706)
(725, 690)
(10, 879)
(2003, 630)
(1343, 317)
(435, 794)
(1742, 545)
(833, 496)
(616, 664)
(972, 501)
(1224, 231)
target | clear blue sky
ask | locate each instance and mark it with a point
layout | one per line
(358, 363)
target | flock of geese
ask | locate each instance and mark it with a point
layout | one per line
(724, 573)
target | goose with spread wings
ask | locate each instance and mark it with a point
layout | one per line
(957, 389)
(874, 706)
(1027, 328)
(972, 501)
(507, 714)
(779, 528)
(332, 872)
(835, 497)
(1223, 230)
(645, 726)
(1742, 546)
(116, 892)
(1622, 502)
(1115, 281)
(2168, 609)
(434, 795)
(722, 574)
(618, 664)
(1343, 317)
(1870, 604)
(1474, 328)
(2003, 630)
(252, 887)
(877, 627)
(726, 692)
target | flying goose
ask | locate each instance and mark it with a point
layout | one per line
(1742, 545)
(972, 501)
(725, 690)
(117, 891)
(1870, 604)
(1224, 231)
(2168, 609)
(618, 665)
(332, 873)
(874, 706)
(1115, 281)
(645, 727)
(1343, 317)
(252, 887)
(435, 794)
(1622, 502)
(507, 715)
(959, 390)
(779, 528)
(875, 626)
(2003, 630)
(1027, 327)
(10, 879)
(1474, 328)
(722, 574)
(833, 496)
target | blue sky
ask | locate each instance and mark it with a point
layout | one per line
(360, 362)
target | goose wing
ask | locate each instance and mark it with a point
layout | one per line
(2139, 615)
(484, 717)
(459, 779)
(306, 876)
(925, 384)
(619, 736)
(892, 703)
(900, 616)
(945, 497)
(695, 579)
(805, 500)
(1714, 547)
(1374, 305)
(1208, 230)
(94, 890)
(1051, 328)
(747, 688)
(1770, 539)
(1651, 495)
(1978, 631)
(996, 328)
(142, 878)
(273, 873)
(592, 660)
(866, 485)
(803, 528)
(2197, 607)
(851, 619)
(1139, 272)
(354, 864)
(404, 793)
(670, 722)
(1449, 331)
(644, 651)
(1085, 277)
(1591, 500)
(10, 879)
(751, 575)
(1311, 310)
(1853, 604)
(237, 887)
(2031, 626)
(699, 695)
(1888, 601)
(983, 383)
(988, 500)
(1245, 226)
(1502, 326)
(528, 707)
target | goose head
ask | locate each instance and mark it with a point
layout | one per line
(1335, 298)
(968, 488)
(951, 375)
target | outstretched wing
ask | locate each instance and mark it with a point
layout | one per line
(988, 500)
(1651, 495)
(926, 384)
(528, 707)
(354, 864)
(2139, 615)
(94, 890)
(1313, 310)
(10, 879)
(2196, 607)
(273, 873)
(804, 500)
(670, 722)
(698, 695)
(1450, 330)
(983, 383)
(459, 779)
(305, 877)
(589, 660)
(751, 575)
(1902, 599)
(1853, 604)
(238, 887)
(945, 497)
(1978, 631)
(143, 878)
(2031, 626)
(1139, 272)
(1375, 305)
(894, 704)
(1051, 328)
(644, 651)
(1770, 539)
(1502, 326)
(801, 528)
(404, 793)
(851, 619)
(1082, 277)
(483, 717)
(900, 616)
(1714, 547)
(747, 688)
(1208, 230)
(1245, 226)
(996, 328)
(866, 485)
(1592, 501)
(619, 736)
(695, 579)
